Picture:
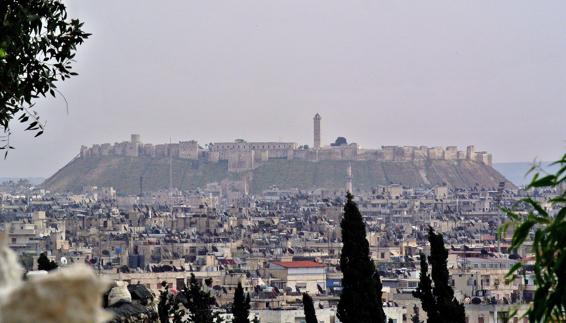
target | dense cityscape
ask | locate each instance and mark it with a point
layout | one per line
(255, 161)
(278, 244)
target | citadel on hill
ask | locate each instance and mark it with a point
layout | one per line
(244, 156)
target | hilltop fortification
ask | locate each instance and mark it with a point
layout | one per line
(263, 164)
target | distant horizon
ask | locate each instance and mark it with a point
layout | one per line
(495, 163)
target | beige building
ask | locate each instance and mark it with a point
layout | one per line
(188, 150)
(303, 276)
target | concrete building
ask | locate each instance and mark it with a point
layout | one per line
(303, 276)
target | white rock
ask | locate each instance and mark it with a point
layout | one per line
(120, 292)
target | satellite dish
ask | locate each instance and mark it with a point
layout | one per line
(63, 261)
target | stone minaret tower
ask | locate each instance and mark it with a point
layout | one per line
(317, 119)
(349, 178)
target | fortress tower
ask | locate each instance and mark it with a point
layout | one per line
(317, 119)
(135, 139)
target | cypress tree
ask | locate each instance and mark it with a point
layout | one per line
(360, 301)
(43, 263)
(241, 306)
(448, 306)
(424, 292)
(308, 307)
(163, 306)
(438, 302)
(199, 303)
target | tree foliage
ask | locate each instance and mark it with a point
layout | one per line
(360, 300)
(424, 291)
(548, 228)
(37, 46)
(190, 305)
(43, 263)
(308, 308)
(437, 297)
(199, 303)
(241, 306)
(169, 306)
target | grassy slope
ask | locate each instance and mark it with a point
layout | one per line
(123, 173)
(368, 174)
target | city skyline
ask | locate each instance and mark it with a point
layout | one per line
(282, 161)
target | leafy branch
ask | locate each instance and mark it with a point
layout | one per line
(546, 226)
(37, 47)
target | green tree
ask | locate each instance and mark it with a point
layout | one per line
(448, 307)
(37, 46)
(548, 228)
(27, 261)
(360, 301)
(441, 306)
(424, 292)
(163, 306)
(241, 306)
(308, 308)
(168, 306)
(200, 303)
(43, 263)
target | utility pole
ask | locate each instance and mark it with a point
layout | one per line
(170, 175)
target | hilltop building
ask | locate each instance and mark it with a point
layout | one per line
(243, 156)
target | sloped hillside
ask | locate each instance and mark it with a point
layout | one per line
(123, 173)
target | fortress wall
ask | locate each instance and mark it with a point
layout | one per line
(239, 161)
(237, 153)
(451, 153)
(131, 149)
(188, 150)
(213, 156)
(420, 153)
(435, 153)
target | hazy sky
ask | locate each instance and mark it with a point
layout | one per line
(489, 73)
